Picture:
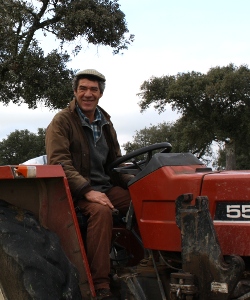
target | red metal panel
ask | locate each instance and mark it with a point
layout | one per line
(154, 201)
(42, 171)
(48, 195)
(6, 172)
(154, 198)
(57, 213)
(234, 186)
(48, 171)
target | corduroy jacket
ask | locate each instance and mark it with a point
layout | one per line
(67, 144)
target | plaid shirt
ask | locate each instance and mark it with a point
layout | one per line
(95, 125)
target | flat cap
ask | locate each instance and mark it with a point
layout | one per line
(92, 72)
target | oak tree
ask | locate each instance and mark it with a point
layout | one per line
(148, 136)
(214, 106)
(179, 134)
(28, 74)
(22, 145)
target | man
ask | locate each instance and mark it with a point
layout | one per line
(83, 140)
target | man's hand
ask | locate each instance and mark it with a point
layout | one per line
(98, 197)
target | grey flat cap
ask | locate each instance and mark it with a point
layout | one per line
(92, 72)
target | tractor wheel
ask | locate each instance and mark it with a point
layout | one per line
(32, 263)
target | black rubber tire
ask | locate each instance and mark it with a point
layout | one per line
(32, 263)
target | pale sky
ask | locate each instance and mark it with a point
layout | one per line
(170, 37)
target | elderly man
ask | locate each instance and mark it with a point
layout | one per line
(83, 140)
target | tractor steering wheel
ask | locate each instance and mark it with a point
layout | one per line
(135, 167)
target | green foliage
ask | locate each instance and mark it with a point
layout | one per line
(22, 145)
(214, 106)
(26, 73)
(192, 136)
(148, 136)
(179, 134)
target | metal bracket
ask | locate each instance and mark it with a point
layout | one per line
(214, 275)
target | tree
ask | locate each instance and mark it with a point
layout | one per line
(29, 76)
(179, 134)
(21, 145)
(148, 136)
(215, 106)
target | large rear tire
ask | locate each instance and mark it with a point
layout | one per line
(32, 263)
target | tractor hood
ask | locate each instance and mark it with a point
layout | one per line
(169, 175)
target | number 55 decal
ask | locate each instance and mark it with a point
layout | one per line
(238, 211)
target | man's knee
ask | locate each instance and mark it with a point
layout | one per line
(102, 212)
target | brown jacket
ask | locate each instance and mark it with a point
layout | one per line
(66, 144)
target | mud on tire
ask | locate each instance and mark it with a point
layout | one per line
(32, 263)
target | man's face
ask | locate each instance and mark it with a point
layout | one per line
(87, 96)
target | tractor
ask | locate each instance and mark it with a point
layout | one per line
(186, 234)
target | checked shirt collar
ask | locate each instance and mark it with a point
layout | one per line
(95, 125)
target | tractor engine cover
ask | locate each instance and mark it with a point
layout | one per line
(169, 175)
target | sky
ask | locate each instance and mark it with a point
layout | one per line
(171, 36)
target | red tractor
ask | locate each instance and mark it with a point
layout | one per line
(186, 234)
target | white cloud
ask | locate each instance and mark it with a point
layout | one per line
(14, 117)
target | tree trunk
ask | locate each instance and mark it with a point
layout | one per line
(230, 155)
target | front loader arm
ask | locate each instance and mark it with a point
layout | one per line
(213, 277)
